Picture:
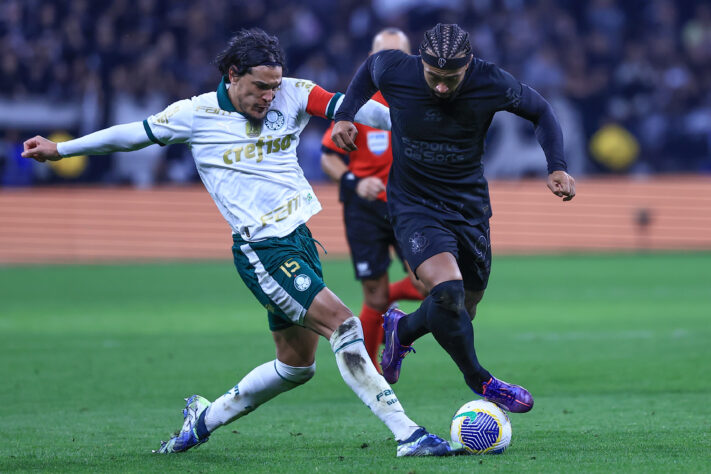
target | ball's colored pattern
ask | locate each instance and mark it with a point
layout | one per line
(479, 431)
(482, 427)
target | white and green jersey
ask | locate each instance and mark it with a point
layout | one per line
(250, 170)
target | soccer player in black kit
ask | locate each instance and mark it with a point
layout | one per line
(441, 105)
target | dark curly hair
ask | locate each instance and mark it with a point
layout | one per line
(446, 41)
(249, 48)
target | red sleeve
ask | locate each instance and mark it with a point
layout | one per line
(326, 142)
(321, 103)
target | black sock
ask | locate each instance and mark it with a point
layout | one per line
(414, 325)
(450, 325)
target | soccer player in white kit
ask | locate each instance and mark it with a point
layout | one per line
(243, 138)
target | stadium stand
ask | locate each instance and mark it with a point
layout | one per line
(630, 81)
(76, 66)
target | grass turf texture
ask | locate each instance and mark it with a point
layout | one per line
(96, 361)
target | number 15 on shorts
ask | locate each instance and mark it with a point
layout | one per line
(290, 267)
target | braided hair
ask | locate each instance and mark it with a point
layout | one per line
(249, 48)
(446, 41)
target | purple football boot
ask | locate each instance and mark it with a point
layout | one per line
(513, 398)
(394, 352)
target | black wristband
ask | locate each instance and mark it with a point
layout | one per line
(349, 182)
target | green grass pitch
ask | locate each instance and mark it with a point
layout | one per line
(96, 360)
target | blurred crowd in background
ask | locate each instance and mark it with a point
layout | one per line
(629, 80)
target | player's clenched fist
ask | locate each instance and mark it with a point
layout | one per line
(344, 134)
(40, 149)
(562, 185)
(368, 188)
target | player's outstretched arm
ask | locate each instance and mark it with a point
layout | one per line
(126, 137)
(561, 184)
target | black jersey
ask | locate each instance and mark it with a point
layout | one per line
(438, 143)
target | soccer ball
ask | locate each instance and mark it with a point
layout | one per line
(482, 427)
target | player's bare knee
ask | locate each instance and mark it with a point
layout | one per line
(377, 301)
(375, 294)
(329, 322)
(376, 297)
(341, 314)
(349, 330)
(297, 375)
(326, 313)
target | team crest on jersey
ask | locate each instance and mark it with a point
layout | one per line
(253, 129)
(514, 96)
(274, 120)
(377, 141)
(302, 282)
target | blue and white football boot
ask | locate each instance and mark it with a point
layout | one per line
(422, 443)
(187, 437)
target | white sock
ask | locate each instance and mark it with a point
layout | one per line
(260, 385)
(361, 376)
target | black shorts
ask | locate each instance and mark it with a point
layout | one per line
(370, 236)
(424, 232)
